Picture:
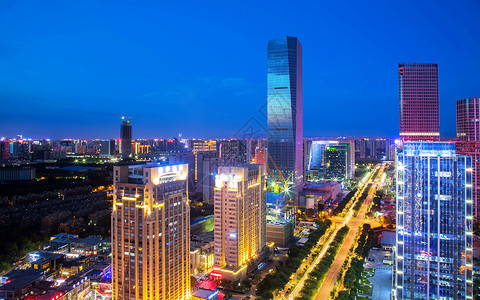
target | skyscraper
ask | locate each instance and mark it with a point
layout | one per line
(468, 135)
(434, 222)
(240, 219)
(150, 233)
(285, 110)
(126, 138)
(419, 108)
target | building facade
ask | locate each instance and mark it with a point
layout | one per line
(150, 233)
(419, 108)
(285, 110)
(434, 222)
(240, 219)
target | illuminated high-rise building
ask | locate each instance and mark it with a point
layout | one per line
(434, 222)
(150, 233)
(468, 136)
(240, 220)
(126, 138)
(419, 108)
(285, 110)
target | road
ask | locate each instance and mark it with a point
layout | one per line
(332, 275)
(340, 222)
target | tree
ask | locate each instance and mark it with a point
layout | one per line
(309, 212)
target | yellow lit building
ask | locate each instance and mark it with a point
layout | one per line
(150, 233)
(240, 220)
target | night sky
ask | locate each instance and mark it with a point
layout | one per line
(68, 69)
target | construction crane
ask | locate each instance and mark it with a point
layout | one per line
(123, 118)
(280, 183)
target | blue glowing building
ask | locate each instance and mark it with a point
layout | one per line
(434, 222)
(285, 112)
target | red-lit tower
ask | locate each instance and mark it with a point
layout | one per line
(419, 108)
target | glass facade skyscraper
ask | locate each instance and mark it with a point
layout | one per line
(284, 110)
(419, 109)
(434, 222)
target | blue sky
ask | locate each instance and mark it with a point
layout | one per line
(70, 68)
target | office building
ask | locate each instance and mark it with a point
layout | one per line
(107, 147)
(17, 174)
(240, 219)
(236, 149)
(338, 162)
(315, 159)
(126, 138)
(150, 233)
(285, 111)
(434, 222)
(419, 108)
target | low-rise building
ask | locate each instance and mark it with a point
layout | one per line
(18, 284)
(17, 174)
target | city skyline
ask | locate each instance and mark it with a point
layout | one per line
(85, 82)
(214, 151)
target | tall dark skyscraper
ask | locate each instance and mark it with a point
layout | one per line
(126, 138)
(419, 108)
(285, 109)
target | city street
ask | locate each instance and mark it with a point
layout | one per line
(340, 222)
(332, 275)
